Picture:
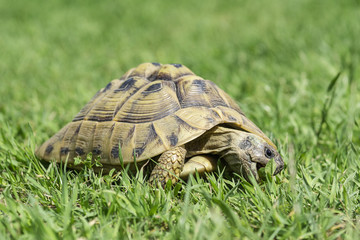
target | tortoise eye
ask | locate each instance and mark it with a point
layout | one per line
(268, 153)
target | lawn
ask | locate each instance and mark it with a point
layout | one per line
(293, 67)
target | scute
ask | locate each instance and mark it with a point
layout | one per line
(150, 109)
(154, 101)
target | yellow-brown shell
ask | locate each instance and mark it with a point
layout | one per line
(150, 109)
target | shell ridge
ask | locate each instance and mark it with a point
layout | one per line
(74, 140)
(207, 97)
(159, 135)
(183, 75)
(108, 140)
(221, 93)
(183, 122)
(175, 88)
(178, 93)
(93, 137)
(152, 135)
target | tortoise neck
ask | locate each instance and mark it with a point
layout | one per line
(219, 140)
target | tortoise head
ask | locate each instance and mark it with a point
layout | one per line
(249, 153)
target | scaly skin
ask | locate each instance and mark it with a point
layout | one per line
(169, 166)
(244, 152)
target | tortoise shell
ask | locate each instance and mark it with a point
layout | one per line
(150, 109)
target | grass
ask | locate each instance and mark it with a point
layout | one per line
(293, 66)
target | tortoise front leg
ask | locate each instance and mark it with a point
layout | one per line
(200, 164)
(169, 166)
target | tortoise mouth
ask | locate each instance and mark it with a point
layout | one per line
(255, 167)
(259, 165)
(279, 165)
(254, 170)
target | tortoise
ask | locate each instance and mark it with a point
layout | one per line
(167, 113)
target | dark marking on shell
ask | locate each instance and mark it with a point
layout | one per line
(200, 85)
(171, 84)
(79, 151)
(126, 85)
(111, 130)
(217, 102)
(152, 136)
(153, 88)
(182, 75)
(98, 118)
(178, 92)
(173, 139)
(152, 133)
(138, 151)
(228, 116)
(214, 96)
(133, 91)
(194, 95)
(164, 76)
(115, 151)
(177, 65)
(152, 77)
(96, 151)
(64, 150)
(231, 118)
(108, 86)
(136, 73)
(194, 103)
(183, 124)
(244, 120)
(77, 129)
(78, 118)
(49, 149)
(155, 64)
(117, 110)
(210, 120)
(131, 133)
(215, 114)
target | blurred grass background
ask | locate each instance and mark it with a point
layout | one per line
(293, 66)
